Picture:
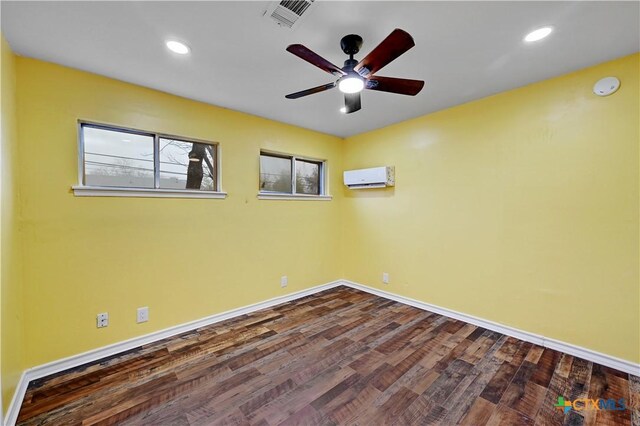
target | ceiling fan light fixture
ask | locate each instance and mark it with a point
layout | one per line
(351, 84)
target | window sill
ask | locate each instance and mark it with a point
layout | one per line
(274, 196)
(100, 191)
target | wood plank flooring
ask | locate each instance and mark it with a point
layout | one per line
(337, 357)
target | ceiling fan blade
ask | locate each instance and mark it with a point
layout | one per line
(311, 91)
(351, 102)
(314, 59)
(402, 86)
(394, 45)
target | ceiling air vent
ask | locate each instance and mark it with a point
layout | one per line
(287, 12)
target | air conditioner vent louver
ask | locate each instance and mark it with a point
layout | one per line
(287, 12)
(296, 6)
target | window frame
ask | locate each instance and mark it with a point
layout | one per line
(293, 195)
(81, 189)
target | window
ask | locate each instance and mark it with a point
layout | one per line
(307, 176)
(288, 176)
(130, 162)
(187, 165)
(114, 158)
(275, 174)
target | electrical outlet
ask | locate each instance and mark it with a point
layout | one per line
(284, 281)
(102, 320)
(142, 314)
(385, 277)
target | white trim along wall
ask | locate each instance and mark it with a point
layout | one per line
(110, 350)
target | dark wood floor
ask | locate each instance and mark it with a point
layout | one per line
(337, 357)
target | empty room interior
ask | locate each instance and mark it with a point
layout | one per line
(320, 212)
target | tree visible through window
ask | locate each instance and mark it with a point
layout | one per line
(290, 175)
(186, 165)
(307, 177)
(124, 158)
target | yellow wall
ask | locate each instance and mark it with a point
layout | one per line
(184, 258)
(521, 208)
(11, 343)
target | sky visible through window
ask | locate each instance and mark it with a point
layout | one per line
(115, 158)
(275, 175)
(120, 159)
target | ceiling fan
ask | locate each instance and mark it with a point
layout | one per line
(355, 76)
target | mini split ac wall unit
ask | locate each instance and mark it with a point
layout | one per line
(375, 177)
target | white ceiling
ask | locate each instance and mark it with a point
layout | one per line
(464, 50)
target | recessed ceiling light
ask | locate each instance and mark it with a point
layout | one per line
(343, 110)
(177, 47)
(538, 34)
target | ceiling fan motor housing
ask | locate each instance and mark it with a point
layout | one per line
(349, 65)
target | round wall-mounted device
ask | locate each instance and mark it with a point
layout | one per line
(606, 86)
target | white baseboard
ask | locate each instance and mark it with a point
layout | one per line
(14, 406)
(77, 360)
(568, 348)
(110, 350)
